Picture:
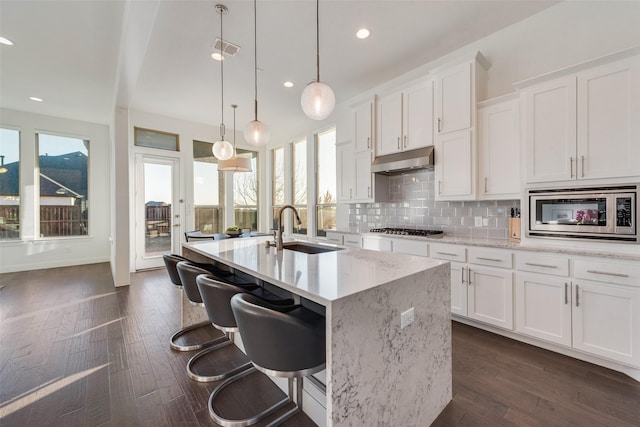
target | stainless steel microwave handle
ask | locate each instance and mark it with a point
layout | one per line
(606, 273)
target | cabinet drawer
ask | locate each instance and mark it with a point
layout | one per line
(448, 252)
(411, 247)
(353, 241)
(376, 244)
(336, 238)
(536, 263)
(609, 272)
(492, 257)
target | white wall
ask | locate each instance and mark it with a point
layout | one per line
(33, 253)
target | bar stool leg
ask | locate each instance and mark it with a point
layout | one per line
(199, 346)
(215, 377)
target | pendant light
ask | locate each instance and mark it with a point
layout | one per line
(222, 149)
(235, 163)
(256, 133)
(317, 98)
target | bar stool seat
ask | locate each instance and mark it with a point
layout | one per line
(171, 262)
(281, 341)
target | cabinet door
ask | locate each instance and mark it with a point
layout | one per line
(499, 149)
(453, 99)
(455, 167)
(550, 130)
(417, 126)
(389, 124)
(606, 321)
(490, 296)
(363, 187)
(543, 307)
(609, 120)
(345, 169)
(362, 127)
(458, 289)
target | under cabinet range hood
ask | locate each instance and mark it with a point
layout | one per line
(405, 161)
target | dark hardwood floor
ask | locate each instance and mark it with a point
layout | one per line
(74, 351)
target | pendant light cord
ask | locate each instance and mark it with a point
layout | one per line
(222, 132)
(255, 57)
(318, 39)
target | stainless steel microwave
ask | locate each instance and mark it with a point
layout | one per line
(600, 213)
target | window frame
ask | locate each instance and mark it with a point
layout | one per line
(21, 201)
(316, 205)
(305, 204)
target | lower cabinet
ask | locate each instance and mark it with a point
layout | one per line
(595, 317)
(458, 289)
(490, 296)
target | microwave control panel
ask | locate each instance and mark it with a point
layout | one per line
(624, 211)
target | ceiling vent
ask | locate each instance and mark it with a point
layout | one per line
(228, 49)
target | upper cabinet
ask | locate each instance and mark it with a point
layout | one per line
(585, 125)
(405, 119)
(363, 127)
(499, 149)
(458, 88)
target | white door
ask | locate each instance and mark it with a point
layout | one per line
(454, 166)
(389, 124)
(418, 116)
(458, 289)
(453, 99)
(490, 296)
(158, 209)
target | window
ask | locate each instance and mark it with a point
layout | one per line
(325, 181)
(245, 193)
(299, 173)
(208, 189)
(277, 188)
(156, 139)
(63, 163)
(9, 184)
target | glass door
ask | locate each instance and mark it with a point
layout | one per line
(158, 209)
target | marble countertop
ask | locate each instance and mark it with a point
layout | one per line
(323, 277)
(580, 248)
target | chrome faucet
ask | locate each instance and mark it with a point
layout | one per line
(280, 226)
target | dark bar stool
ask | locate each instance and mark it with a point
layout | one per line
(188, 272)
(171, 262)
(216, 296)
(281, 341)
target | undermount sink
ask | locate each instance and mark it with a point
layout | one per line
(308, 248)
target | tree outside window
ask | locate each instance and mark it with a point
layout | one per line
(277, 187)
(208, 189)
(299, 173)
(326, 181)
(245, 193)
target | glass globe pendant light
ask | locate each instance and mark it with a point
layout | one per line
(222, 149)
(317, 99)
(256, 133)
(235, 163)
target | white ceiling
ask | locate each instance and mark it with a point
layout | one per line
(67, 52)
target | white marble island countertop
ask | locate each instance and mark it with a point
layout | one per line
(323, 277)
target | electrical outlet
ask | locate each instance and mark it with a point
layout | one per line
(406, 318)
(478, 221)
(485, 222)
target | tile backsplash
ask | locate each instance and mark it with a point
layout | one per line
(412, 205)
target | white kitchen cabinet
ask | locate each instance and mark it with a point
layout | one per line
(458, 289)
(335, 237)
(376, 243)
(411, 247)
(352, 240)
(584, 125)
(405, 119)
(543, 307)
(355, 180)
(455, 171)
(363, 127)
(490, 296)
(458, 89)
(606, 320)
(363, 179)
(499, 149)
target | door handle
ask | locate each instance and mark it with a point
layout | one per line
(398, 143)
(582, 159)
(462, 271)
(176, 225)
(571, 166)
(405, 141)
(566, 294)
(439, 124)
(577, 295)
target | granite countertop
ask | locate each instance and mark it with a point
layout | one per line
(517, 245)
(323, 277)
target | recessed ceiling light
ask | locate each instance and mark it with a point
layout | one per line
(6, 41)
(35, 98)
(288, 84)
(217, 56)
(362, 33)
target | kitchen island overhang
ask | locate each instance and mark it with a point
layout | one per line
(376, 372)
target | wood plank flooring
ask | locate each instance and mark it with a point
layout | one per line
(75, 351)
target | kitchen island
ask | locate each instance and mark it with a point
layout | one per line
(377, 373)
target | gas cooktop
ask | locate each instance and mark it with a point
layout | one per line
(408, 232)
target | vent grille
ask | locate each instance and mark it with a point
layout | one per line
(228, 49)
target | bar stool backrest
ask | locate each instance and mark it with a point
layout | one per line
(171, 261)
(289, 343)
(216, 296)
(188, 273)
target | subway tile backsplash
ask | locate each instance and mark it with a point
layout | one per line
(413, 206)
